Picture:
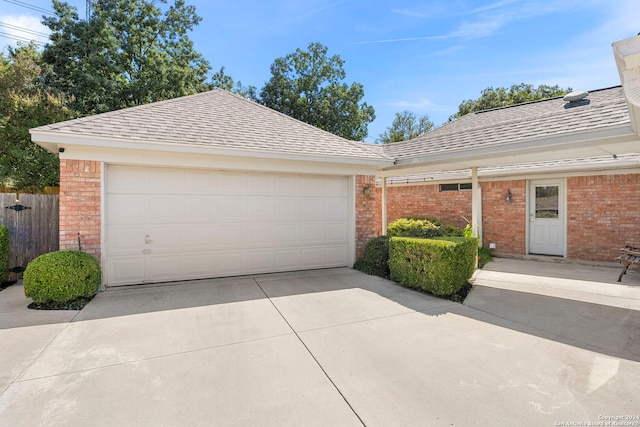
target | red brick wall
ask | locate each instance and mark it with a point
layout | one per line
(427, 200)
(504, 223)
(368, 212)
(603, 215)
(80, 205)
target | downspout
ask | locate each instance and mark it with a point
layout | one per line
(627, 55)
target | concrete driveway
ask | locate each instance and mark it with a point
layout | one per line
(327, 348)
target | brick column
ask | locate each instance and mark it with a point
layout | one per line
(367, 212)
(80, 202)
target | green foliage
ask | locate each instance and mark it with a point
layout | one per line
(422, 228)
(484, 256)
(440, 267)
(221, 80)
(4, 253)
(129, 52)
(308, 85)
(501, 97)
(406, 125)
(26, 102)
(375, 260)
(62, 276)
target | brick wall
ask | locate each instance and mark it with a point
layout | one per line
(80, 205)
(504, 223)
(603, 215)
(368, 213)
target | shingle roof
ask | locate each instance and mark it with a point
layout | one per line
(220, 119)
(606, 107)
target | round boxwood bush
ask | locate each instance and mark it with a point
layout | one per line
(62, 276)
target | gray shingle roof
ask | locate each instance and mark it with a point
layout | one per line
(549, 118)
(219, 119)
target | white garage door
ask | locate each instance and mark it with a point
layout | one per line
(175, 224)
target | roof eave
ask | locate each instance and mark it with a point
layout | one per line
(589, 143)
(54, 141)
(627, 56)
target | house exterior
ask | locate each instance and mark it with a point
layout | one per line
(212, 184)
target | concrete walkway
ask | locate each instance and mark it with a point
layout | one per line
(328, 347)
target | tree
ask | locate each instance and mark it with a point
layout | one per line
(501, 97)
(406, 125)
(221, 80)
(26, 102)
(129, 52)
(308, 85)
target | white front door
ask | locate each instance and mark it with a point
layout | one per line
(547, 217)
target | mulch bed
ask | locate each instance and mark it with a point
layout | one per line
(77, 304)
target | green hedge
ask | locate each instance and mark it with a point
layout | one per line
(62, 276)
(439, 266)
(4, 253)
(425, 228)
(375, 260)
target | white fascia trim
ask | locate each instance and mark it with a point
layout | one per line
(53, 141)
(588, 138)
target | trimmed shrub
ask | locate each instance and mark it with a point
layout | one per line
(4, 253)
(425, 228)
(375, 260)
(438, 266)
(62, 276)
(484, 256)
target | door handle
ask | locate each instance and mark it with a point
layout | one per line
(147, 240)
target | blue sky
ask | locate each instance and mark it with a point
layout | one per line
(422, 56)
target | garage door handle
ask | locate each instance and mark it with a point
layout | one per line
(146, 251)
(147, 240)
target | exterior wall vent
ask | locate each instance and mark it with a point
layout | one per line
(575, 99)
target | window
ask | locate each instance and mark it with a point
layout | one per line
(458, 186)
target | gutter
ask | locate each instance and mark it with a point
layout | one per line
(627, 56)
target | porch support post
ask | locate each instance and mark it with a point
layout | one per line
(384, 206)
(476, 202)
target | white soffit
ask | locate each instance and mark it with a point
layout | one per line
(627, 55)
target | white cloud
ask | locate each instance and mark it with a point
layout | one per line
(23, 28)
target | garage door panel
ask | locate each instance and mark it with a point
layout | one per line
(125, 239)
(311, 257)
(230, 263)
(163, 267)
(166, 181)
(200, 182)
(336, 232)
(231, 208)
(311, 209)
(311, 233)
(127, 270)
(259, 235)
(176, 224)
(288, 208)
(335, 255)
(197, 209)
(164, 209)
(336, 209)
(198, 238)
(126, 209)
(261, 209)
(233, 183)
(127, 179)
(261, 184)
(287, 259)
(197, 265)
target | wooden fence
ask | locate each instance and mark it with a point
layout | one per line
(33, 226)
